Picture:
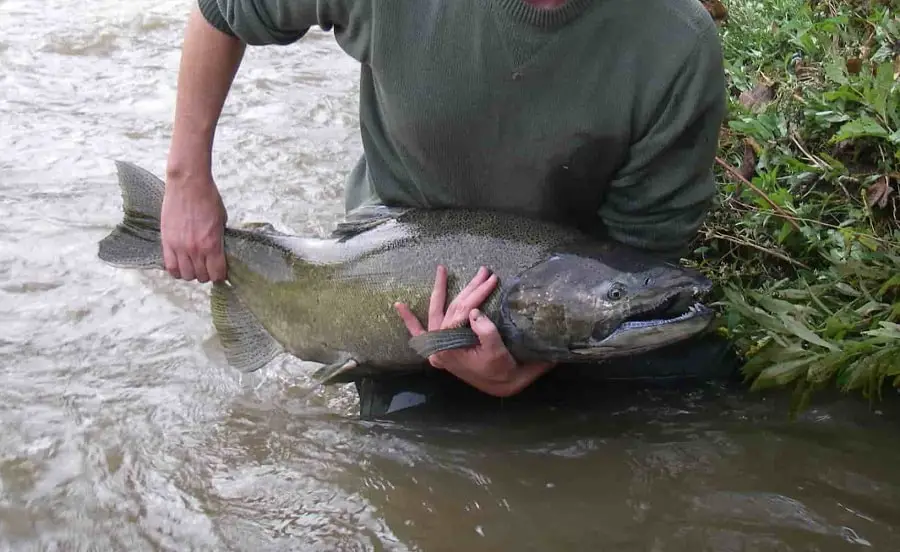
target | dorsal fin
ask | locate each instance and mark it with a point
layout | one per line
(261, 228)
(365, 218)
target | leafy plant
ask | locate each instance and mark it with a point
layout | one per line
(805, 244)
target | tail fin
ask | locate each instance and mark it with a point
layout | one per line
(135, 242)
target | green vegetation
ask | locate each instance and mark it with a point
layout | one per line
(805, 243)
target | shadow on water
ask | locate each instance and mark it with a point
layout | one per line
(685, 466)
(698, 467)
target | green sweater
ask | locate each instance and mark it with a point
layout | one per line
(603, 114)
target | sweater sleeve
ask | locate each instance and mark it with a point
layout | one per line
(263, 22)
(662, 194)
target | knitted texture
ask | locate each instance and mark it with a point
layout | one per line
(603, 114)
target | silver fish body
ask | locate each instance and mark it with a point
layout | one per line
(563, 296)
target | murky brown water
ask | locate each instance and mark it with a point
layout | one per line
(122, 429)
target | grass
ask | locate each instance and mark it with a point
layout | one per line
(804, 245)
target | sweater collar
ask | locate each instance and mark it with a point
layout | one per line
(544, 18)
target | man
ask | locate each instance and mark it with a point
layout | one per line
(602, 114)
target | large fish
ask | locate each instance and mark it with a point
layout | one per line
(562, 295)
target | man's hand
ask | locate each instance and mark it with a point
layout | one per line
(193, 217)
(192, 226)
(489, 366)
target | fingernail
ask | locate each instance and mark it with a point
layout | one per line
(475, 314)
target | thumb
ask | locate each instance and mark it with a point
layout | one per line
(486, 331)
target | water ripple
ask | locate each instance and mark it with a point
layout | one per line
(124, 429)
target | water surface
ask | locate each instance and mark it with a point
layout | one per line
(123, 429)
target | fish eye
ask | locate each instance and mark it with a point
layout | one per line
(616, 292)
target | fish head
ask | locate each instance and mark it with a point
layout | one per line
(577, 307)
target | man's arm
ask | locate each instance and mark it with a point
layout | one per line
(193, 217)
(662, 195)
(209, 61)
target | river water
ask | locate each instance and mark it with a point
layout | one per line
(123, 429)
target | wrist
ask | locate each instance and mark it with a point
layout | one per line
(188, 164)
(190, 150)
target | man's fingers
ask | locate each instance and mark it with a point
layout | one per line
(482, 292)
(486, 331)
(200, 272)
(170, 260)
(185, 266)
(480, 276)
(409, 319)
(216, 267)
(438, 299)
(469, 298)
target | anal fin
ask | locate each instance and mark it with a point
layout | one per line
(429, 343)
(325, 374)
(248, 345)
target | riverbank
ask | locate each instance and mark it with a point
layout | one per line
(804, 244)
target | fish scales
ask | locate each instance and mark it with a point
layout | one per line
(345, 295)
(563, 296)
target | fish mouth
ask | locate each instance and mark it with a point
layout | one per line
(669, 309)
(693, 310)
(675, 316)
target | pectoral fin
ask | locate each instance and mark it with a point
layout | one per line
(248, 345)
(429, 343)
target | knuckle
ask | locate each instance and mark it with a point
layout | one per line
(208, 244)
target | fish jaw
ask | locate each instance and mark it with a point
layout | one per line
(677, 316)
(637, 337)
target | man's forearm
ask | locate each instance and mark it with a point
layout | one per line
(209, 61)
